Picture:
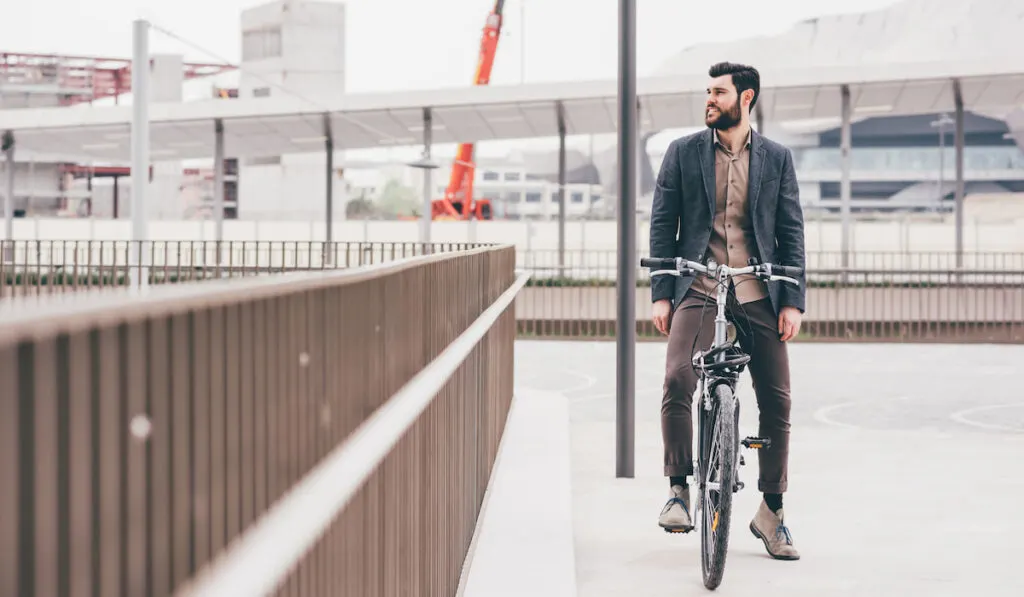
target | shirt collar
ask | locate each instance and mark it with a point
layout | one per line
(750, 134)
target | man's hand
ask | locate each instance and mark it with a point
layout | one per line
(789, 323)
(662, 313)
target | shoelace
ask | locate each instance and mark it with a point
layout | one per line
(677, 501)
(784, 532)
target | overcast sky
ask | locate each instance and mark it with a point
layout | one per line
(395, 44)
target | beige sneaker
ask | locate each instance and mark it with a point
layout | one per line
(675, 516)
(769, 528)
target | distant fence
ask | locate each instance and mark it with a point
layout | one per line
(890, 296)
(40, 267)
(146, 442)
(878, 297)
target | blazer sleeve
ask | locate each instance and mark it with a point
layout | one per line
(665, 219)
(789, 235)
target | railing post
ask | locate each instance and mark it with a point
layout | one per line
(140, 150)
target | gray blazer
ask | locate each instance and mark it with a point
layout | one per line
(684, 202)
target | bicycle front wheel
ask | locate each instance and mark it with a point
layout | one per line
(718, 475)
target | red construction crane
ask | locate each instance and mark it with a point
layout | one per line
(458, 202)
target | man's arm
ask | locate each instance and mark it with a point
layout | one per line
(665, 214)
(789, 234)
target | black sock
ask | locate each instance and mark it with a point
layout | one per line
(673, 481)
(774, 501)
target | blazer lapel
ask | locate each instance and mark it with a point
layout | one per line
(756, 168)
(707, 167)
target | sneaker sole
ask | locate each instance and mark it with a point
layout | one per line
(764, 540)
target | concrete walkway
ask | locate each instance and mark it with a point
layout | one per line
(907, 474)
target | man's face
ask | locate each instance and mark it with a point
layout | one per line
(722, 109)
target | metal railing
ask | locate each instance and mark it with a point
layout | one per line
(146, 442)
(879, 297)
(891, 296)
(40, 267)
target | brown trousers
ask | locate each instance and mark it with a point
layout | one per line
(757, 329)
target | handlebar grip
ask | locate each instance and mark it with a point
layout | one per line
(658, 262)
(788, 270)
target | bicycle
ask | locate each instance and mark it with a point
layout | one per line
(718, 369)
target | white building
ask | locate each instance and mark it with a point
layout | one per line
(293, 47)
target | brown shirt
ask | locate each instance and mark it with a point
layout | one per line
(732, 237)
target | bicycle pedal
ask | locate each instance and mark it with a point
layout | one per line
(757, 443)
(739, 485)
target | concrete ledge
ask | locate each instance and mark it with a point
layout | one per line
(523, 543)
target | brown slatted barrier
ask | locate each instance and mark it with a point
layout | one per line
(140, 437)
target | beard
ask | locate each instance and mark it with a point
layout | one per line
(725, 119)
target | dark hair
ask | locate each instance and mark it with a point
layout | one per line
(743, 77)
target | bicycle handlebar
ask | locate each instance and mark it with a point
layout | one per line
(679, 266)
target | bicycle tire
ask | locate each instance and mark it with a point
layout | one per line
(716, 514)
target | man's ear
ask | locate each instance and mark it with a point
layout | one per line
(747, 97)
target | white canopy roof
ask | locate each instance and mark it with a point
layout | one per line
(275, 126)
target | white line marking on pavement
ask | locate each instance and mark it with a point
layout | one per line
(822, 415)
(961, 417)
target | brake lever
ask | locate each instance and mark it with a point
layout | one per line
(784, 279)
(672, 272)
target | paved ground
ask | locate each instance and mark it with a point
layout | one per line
(907, 474)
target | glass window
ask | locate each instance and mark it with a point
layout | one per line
(533, 197)
(258, 44)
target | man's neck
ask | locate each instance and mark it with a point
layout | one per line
(735, 137)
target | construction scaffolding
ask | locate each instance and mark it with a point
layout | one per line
(48, 80)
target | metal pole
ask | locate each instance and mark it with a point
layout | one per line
(958, 100)
(845, 191)
(626, 328)
(561, 188)
(329, 216)
(426, 216)
(8, 251)
(140, 148)
(9, 196)
(218, 181)
(522, 42)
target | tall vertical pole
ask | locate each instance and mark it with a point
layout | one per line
(9, 194)
(958, 101)
(426, 216)
(845, 190)
(329, 186)
(218, 181)
(626, 328)
(522, 42)
(140, 148)
(561, 188)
